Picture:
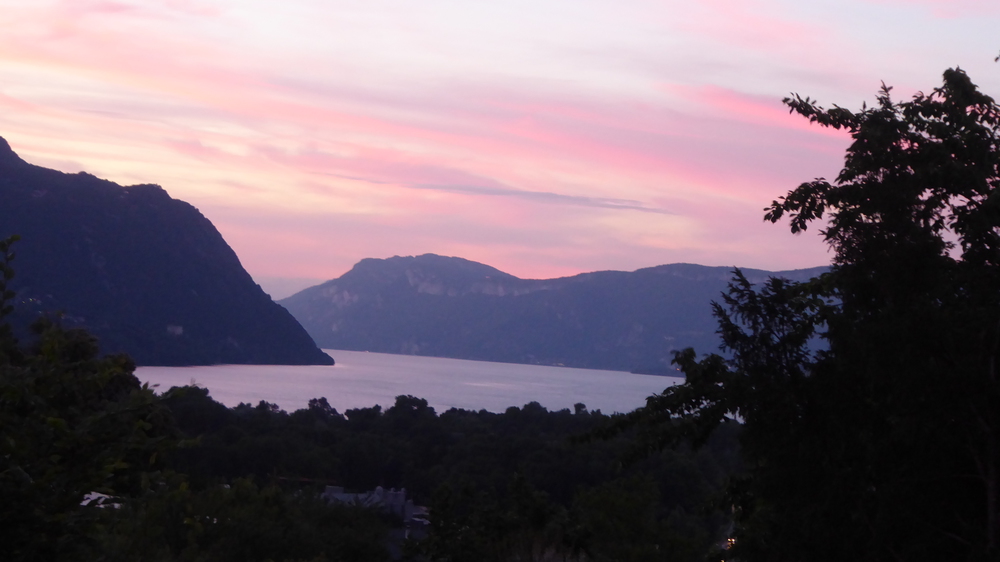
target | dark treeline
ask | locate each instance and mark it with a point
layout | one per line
(882, 445)
(95, 466)
(517, 485)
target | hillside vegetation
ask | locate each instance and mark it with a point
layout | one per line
(145, 273)
(452, 307)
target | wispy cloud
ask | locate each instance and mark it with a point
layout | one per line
(548, 197)
(947, 9)
(541, 137)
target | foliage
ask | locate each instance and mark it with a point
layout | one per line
(507, 486)
(187, 478)
(883, 444)
(241, 522)
(8, 344)
(521, 524)
(73, 423)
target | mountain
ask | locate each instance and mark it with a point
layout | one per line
(451, 307)
(145, 273)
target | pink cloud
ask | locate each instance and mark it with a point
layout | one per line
(947, 9)
(747, 108)
(13, 103)
(753, 25)
(534, 131)
(325, 246)
(520, 177)
(626, 144)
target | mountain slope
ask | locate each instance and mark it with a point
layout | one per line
(147, 274)
(451, 307)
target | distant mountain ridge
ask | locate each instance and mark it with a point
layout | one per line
(452, 307)
(145, 273)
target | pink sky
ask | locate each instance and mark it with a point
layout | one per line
(544, 138)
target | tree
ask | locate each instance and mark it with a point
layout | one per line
(8, 344)
(869, 397)
(71, 423)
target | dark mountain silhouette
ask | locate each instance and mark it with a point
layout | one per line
(147, 274)
(451, 307)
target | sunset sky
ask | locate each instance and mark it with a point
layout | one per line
(543, 137)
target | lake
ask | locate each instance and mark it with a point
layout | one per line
(361, 380)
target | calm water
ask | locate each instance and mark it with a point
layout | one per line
(361, 380)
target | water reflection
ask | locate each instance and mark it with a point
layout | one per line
(361, 379)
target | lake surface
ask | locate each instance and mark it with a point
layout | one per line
(361, 380)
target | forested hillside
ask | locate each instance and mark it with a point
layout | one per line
(95, 466)
(451, 307)
(498, 485)
(145, 273)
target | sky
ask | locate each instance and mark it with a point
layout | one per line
(543, 137)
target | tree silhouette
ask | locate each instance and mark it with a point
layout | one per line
(869, 396)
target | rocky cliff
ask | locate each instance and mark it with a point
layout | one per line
(145, 273)
(451, 307)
